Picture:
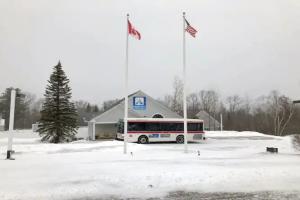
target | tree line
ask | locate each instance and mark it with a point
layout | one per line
(273, 113)
(28, 108)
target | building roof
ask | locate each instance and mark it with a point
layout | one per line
(153, 107)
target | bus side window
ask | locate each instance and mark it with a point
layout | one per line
(152, 127)
(164, 127)
(172, 126)
(195, 126)
(140, 126)
(179, 126)
(136, 126)
(190, 127)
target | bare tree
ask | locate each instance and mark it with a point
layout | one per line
(232, 121)
(167, 100)
(177, 104)
(243, 113)
(208, 100)
(272, 114)
(233, 102)
(282, 110)
(193, 105)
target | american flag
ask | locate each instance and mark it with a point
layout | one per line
(133, 32)
(190, 29)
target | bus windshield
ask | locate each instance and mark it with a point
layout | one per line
(120, 126)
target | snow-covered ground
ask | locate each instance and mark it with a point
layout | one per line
(228, 162)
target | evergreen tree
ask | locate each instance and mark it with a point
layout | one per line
(58, 121)
(96, 109)
(88, 108)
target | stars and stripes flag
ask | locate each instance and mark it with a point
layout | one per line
(132, 31)
(190, 29)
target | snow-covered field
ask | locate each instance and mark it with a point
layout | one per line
(228, 162)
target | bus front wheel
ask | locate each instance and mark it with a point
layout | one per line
(180, 139)
(143, 139)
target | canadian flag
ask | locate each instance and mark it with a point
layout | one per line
(133, 32)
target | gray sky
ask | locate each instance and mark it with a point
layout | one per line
(245, 47)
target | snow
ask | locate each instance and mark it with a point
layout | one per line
(228, 162)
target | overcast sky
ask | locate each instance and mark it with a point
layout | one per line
(245, 47)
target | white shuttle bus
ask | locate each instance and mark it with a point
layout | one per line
(145, 130)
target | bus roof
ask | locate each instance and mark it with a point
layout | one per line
(162, 120)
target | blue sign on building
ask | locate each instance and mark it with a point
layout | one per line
(139, 103)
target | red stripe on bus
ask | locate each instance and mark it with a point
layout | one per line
(166, 132)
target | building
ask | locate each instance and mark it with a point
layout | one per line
(140, 105)
(210, 123)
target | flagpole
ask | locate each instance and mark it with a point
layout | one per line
(221, 122)
(11, 123)
(184, 91)
(126, 92)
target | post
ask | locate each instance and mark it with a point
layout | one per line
(209, 121)
(126, 92)
(94, 131)
(221, 117)
(184, 91)
(214, 121)
(11, 123)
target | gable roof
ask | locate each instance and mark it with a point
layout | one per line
(117, 111)
(113, 114)
(160, 105)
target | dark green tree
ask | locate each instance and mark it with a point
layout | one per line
(88, 108)
(96, 109)
(59, 116)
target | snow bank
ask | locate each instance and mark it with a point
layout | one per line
(236, 134)
(82, 133)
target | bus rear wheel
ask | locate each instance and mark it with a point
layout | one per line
(143, 139)
(180, 139)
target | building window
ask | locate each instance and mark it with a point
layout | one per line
(158, 116)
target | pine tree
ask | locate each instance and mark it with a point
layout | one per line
(96, 109)
(59, 116)
(88, 108)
